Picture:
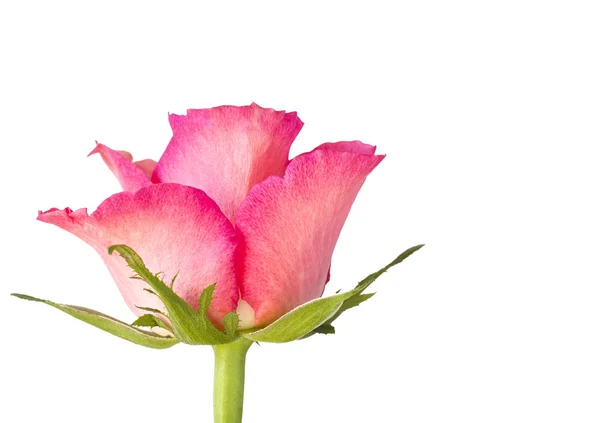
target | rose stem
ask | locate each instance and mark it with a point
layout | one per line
(228, 393)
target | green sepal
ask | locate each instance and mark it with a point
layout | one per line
(364, 284)
(359, 297)
(231, 322)
(110, 324)
(189, 326)
(353, 301)
(150, 321)
(318, 315)
(325, 329)
(300, 321)
(206, 298)
(151, 310)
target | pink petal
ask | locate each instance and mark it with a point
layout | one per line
(147, 166)
(348, 146)
(131, 176)
(289, 227)
(226, 150)
(174, 229)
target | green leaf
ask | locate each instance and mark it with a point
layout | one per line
(110, 324)
(189, 326)
(300, 321)
(150, 321)
(358, 296)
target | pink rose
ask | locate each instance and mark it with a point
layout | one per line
(225, 205)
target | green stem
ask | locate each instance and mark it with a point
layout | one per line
(228, 393)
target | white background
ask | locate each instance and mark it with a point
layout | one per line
(489, 114)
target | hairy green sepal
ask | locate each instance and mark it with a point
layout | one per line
(150, 321)
(359, 297)
(301, 320)
(195, 328)
(110, 324)
(190, 326)
(318, 315)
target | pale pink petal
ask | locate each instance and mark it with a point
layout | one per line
(147, 166)
(226, 150)
(174, 229)
(357, 147)
(289, 226)
(125, 154)
(130, 176)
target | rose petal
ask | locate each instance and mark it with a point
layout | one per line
(226, 150)
(174, 229)
(348, 147)
(147, 166)
(289, 226)
(131, 176)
